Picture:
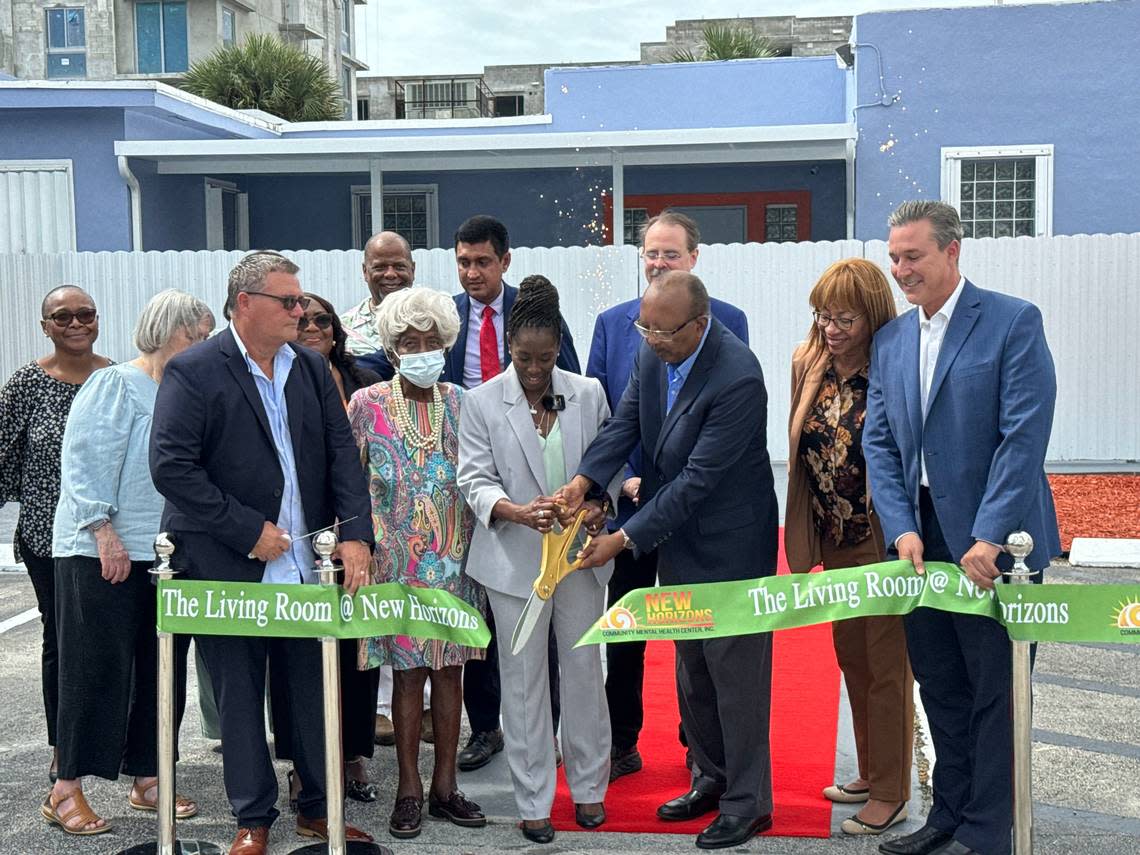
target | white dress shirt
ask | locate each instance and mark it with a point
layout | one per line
(472, 363)
(931, 334)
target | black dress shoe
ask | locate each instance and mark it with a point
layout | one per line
(923, 842)
(954, 848)
(481, 747)
(693, 804)
(541, 834)
(728, 831)
(588, 820)
(624, 761)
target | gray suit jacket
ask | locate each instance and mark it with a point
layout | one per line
(500, 458)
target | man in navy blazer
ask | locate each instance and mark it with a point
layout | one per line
(697, 404)
(251, 448)
(669, 241)
(959, 411)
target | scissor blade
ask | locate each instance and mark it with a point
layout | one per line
(326, 528)
(531, 612)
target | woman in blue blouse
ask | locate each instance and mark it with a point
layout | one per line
(103, 542)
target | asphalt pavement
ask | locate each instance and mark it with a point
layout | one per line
(1086, 764)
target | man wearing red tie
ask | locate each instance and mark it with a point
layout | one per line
(483, 255)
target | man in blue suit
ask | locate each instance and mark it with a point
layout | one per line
(482, 351)
(669, 241)
(959, 410)
(251, 448)
(697, 404)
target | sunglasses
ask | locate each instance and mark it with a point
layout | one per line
(287, 302)
(64, 318)
(323, 321)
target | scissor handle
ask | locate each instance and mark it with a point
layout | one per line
(556, 564)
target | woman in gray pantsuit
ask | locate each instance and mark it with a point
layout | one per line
(520, 436)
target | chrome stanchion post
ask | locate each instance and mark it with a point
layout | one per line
(167, 843)
(324, 544)
(1019, 545)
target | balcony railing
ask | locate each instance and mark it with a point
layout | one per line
(444, 98)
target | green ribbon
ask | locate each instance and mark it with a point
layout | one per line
(317, 611)
(1073, 613)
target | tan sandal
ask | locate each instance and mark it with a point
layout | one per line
(184, 808)
(80, 810)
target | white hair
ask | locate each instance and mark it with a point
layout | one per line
(168, 312)
(420, 309)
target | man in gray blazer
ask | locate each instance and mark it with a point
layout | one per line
(697, 404)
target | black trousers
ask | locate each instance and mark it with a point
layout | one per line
(482, 693)
(962, 665)
(41, 572)
(237, 667)
(625, 662)
(108, 688)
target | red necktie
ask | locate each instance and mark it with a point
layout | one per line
(488, 346)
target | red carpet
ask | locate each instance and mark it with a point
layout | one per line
(805, 706)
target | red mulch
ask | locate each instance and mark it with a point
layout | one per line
(1096, 506)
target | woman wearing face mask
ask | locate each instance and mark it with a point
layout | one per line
(407, 430)
(320, 329)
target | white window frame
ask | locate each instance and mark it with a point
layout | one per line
(431, 198)
(64, 166)
(65, 51)
(215, 217)
(232, 13)
(1043, 172)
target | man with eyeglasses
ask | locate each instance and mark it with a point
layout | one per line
(669, 241)
(697, 405)
(251, 447)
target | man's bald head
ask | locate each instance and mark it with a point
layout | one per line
(674, 314)
(683, 280)
(388, 264)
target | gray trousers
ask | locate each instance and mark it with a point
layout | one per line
(724, 690)
(577, 602)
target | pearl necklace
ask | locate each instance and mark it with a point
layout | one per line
(411, 435)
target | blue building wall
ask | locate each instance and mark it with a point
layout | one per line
(86, 137)
(1063, 74)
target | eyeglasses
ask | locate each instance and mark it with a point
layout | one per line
(822, 320)
(323, 321)
(63, 318)
(664, 335)
(656, 255)
(288, 302)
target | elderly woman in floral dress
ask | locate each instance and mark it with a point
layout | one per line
(407, 430)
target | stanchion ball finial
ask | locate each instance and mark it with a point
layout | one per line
(324, 544)
(163, 546)
(1019, 544)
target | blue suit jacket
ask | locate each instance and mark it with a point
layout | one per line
(612, 353)
(453, 370)
(212, 457)
(707, 499)
(989, 414)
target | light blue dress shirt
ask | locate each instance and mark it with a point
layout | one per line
(472, 359)
(678, 374)
(297, 564)
(104, 469)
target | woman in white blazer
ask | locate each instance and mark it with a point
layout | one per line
(520, 436)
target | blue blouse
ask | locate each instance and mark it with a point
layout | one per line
(104, 470)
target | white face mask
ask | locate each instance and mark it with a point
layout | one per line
(422, 369)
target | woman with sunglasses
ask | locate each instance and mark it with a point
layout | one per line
(320, 329)
(830, 521)
(34, 405)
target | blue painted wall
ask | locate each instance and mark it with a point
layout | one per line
(1062, 74)
(87, 138)
(173, 208)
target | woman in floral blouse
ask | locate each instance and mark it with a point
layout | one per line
(34, 405)
(830, 521)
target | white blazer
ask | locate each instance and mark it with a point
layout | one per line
(500, 458)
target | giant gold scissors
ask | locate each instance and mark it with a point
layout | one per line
(557, 564)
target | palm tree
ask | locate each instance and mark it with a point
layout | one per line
(724, 41)
(265, 73)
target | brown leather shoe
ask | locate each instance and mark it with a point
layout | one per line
(250, 841)
(319, 828)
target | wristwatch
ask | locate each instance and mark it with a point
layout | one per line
(98, 524)
(626, 543)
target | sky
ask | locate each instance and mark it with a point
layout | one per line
(402, 38)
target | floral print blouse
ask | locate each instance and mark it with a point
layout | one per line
(831, 450)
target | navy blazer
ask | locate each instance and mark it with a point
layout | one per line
(613, 351)
(453, 370)
(988, 419)
(708, 504)
(212, 457)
